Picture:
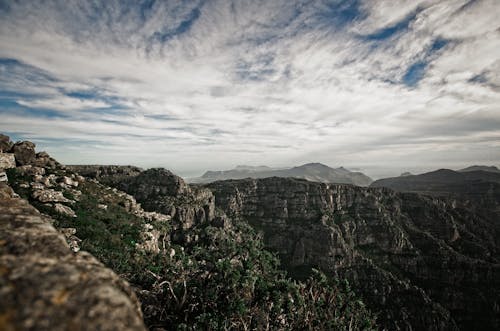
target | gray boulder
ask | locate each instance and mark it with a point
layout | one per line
(24, 152)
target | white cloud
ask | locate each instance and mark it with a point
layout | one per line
(263, 83)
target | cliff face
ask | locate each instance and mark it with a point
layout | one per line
(46, 286)
(159, 190)
(424, 263)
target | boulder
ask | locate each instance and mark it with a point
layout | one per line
(49, 196)
(30, 170)
(64, 210)
(7, 161)
(43, 159)
(5, 143)
(24, 152)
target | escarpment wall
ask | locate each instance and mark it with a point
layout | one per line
(417, 258)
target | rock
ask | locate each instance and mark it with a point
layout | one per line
(5, 143)
(72, 240)
(7, 161)
(30, 170)
(37, 186)
(44, 286)
(68, 181)
(422, 262)
(3, 177)
(159, 190)
(49, 195)
(106, 174)
(44, 160)
(102, 206)
(64, 210)
(24, 152)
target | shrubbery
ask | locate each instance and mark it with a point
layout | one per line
(224, 280)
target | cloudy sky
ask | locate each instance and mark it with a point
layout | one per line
(384, 86)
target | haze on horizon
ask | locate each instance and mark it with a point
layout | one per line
(381, 86)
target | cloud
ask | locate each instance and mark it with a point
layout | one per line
(212, 84)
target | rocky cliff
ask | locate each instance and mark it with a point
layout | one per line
(423, 263)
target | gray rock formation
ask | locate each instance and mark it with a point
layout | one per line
(24, 152)
(45, 286)
(5, 143)
(7, 161)
(107, 174)
(159, 190)
(424, 263)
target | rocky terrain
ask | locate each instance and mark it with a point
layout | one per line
(315, 172)
(70, 244)
(197, 256)
(421, 262)
(47, 284)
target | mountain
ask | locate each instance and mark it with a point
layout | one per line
(481, 168)
(316, 172)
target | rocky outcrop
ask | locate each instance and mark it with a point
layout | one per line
(7, 161)
(24, 152)
(106, 174)
(424, 263)
(45, 286)
(5, 143)
(159, 190)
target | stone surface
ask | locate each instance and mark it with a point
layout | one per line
(30, 170)
(44, 160)
(65, 210)
(106, 174)
(424, 263)
(5, 143)
(7, 161)
(159, 190)
(25, 152)
(49, 195)
(44, 286)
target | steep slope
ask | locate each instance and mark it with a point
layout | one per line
(423, 263)
(316, 172)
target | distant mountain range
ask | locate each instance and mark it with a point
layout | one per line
(441, 181)
(315, 172)
(476, 185)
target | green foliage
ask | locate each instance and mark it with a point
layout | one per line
(224, 280)
(227, 280)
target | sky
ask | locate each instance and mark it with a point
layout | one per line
(380, 86)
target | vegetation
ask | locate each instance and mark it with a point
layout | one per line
(223, 280)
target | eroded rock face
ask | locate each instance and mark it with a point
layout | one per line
(5, 143)
(49, 195)
(45, 286)
(24, 152)
(106, 174)
(159, 190)
(42, 159)
(7, 161)
(424, 263)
